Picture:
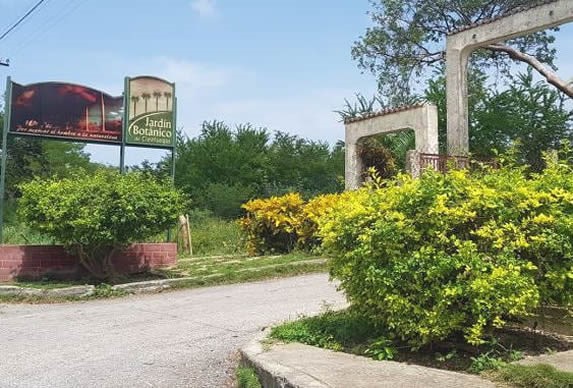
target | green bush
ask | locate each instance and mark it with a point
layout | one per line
(454, 253)
(95, 215)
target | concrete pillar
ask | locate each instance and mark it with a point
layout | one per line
(353, 165)
(461, 44)
(413, 163)
(457, 101)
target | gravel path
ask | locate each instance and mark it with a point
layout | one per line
(177, 339)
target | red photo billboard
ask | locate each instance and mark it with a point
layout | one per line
(63, 110)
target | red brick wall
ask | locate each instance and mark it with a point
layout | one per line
(36, 261)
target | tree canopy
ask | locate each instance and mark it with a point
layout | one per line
(407, 39)
(30, 157)
(224, 167)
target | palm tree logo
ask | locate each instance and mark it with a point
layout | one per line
(157, 96)
(146, 97)
(168, 96)
(134, 100)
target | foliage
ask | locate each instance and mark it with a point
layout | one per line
(407, 40)
(271, 224)
(335, 330)
(529, 116)
(456, 253)
(381, 349)
(281, 224)
(30, 157)
(532, 376)
(493, 359)
(360, 107)
(377, 156)
(247, 378)
(95, 215)
(224, 167)
(312, 211)
(21, 234)
(214, 236)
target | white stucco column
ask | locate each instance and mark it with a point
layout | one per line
(461, 44)
(457, 101)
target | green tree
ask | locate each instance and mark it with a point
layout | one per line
(222, 156)
(302, 165)
(407, 40)
(224, 167)
(96, 215)
(30, 157)
(529, 115)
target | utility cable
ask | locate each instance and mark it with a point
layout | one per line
(44, 27)
(24, 17)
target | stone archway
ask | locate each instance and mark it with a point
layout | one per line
(462, 43)
(423, 119)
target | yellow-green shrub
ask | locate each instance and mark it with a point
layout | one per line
(280, 224)
(271, 224)
(455, 253)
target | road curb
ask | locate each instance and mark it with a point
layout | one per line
(144, 287)
(272, 374)
(76, 291)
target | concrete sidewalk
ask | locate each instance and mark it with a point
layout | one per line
(297, 365)
(561, 360)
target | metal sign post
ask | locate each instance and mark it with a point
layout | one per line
(7, 110)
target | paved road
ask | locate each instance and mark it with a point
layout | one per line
(177, 339)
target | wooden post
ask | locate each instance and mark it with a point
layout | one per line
(189, 235)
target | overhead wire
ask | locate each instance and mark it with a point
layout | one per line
(48, 24)
(22, 19)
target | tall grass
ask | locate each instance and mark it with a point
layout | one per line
(211, 236)
(21, 234)
(215, 236)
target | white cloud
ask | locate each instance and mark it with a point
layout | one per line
(204, 8)
(193, 74)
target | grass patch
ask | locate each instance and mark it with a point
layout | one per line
(253, 274)
(349, 332)
(215, 236)
(226, 265)
(532, 376)
(247, 378)
(20, 234)
(335, 330)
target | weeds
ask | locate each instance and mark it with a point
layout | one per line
(534, 376)
(247, 378)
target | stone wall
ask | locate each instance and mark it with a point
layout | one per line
(37, 261)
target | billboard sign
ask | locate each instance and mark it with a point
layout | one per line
(66, 111)
(150, 112)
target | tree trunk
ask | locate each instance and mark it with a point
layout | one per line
(97, 261)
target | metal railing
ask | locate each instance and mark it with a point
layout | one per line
(443, 163)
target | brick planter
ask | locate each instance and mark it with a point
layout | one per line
(37, 261)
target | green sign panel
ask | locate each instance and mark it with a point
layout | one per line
(150, 112)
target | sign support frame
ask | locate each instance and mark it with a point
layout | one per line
(6, 126)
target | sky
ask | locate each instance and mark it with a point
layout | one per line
(281, 64)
